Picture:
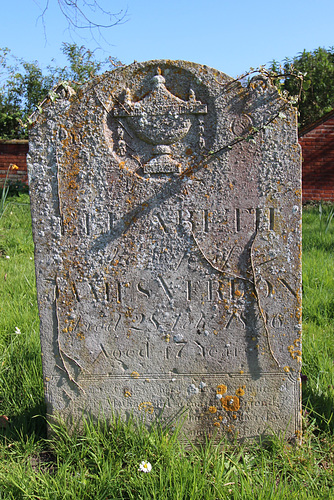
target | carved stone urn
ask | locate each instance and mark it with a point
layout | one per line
(161, 119)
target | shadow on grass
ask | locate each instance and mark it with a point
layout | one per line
(319, 407)
(28, 424)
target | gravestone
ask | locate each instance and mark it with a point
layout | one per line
(166, 206)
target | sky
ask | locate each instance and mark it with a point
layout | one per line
(231, 36)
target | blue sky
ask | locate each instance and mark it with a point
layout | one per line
(227, 35)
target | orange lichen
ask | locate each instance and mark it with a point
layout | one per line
(230, 403)
(212, 409)
(240, 392)
(147, 406)
(221, 389)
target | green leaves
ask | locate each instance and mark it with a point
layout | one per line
(24, 88)
(306, 84)
(310, 76)
(27, 85)
(53, 95)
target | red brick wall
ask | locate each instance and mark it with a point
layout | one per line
(13, 153)
(317, 144)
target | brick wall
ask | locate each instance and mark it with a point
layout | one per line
(317, 142)
(13, 152)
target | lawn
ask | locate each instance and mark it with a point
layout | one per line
(103, 462)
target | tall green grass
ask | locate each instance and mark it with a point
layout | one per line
(318, 311)
(21, 383)
(103, 461)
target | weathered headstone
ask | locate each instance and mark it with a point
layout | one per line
(166, 216)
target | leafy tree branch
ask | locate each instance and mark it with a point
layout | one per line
(24, 84)
(310, 78)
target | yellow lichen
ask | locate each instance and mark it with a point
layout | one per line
(135, 374)
(221, 389)
(240, 392)
(212, 409)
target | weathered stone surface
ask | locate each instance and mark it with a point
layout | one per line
(166, 217)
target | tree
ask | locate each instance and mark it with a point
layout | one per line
(26, 86)
(82, 64)
(86, 15)
(310, 77)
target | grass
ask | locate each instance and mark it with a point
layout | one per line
(318, 313)
(102, 462)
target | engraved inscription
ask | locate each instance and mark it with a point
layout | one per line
(198, 220)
